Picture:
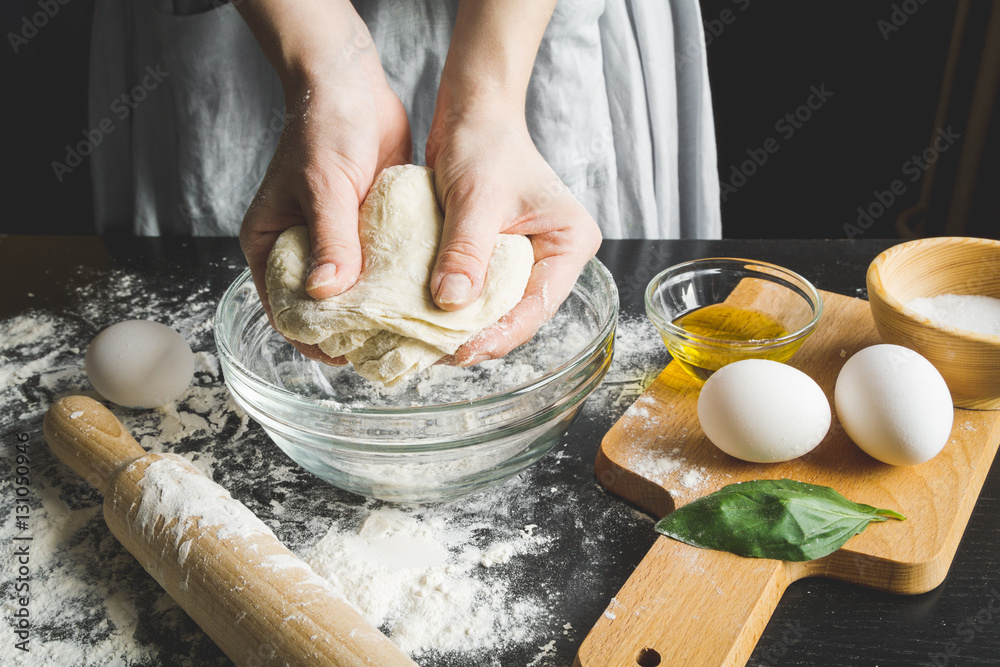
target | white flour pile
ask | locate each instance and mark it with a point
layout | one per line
(464, 594)
(421, 578)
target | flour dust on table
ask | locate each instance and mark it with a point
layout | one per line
(639, 357)
(469, 592)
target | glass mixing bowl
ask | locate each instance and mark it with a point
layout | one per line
(447, 433)
(712, 312)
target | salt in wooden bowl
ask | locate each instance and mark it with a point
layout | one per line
(969, 361)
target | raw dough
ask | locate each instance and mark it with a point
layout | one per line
(387, 325)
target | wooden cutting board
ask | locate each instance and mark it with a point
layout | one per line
(690, 606)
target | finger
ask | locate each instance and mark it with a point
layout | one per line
(256, 248)
(550, 283)
(467, 241)
(331, 212)
(261, 227)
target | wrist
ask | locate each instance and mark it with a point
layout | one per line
(484, 73)
(470, 99)
(477, 110)
(490, 59)
(309, 42)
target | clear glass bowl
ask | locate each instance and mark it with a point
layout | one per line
(448, 433)
(712, 312)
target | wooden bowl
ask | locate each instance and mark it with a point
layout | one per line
(969, 361)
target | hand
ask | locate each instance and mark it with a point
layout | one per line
(491, 179)
(343, 125)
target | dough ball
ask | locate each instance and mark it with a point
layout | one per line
(139, 364)
(387, 324)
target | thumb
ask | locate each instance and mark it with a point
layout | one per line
(332, 217)
(467, 242)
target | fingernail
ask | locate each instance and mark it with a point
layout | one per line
(479, 358)
(322, 275)
(454, 288)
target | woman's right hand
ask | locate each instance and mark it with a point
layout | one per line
(343, 125)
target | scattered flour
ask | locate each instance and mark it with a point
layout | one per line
(545, 651)
(610, 613)
(464, 595)
(498, 554)
(86, 590)
(692, 479)
(639, 357)
(670, 470)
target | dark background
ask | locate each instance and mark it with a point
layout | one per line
(885, 84)
(764, 57)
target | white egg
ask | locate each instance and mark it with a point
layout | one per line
(763, 411)
(894, 404)
(139, 364)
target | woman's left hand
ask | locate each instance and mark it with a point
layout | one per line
(490, 179)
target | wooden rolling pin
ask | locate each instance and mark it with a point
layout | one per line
(219, 562)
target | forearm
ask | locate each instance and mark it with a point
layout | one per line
(492, 52)
(306, 40)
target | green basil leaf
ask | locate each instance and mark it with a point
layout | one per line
(781, 519)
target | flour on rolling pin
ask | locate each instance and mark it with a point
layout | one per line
(173, 488)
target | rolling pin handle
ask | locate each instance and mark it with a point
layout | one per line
(248, 592)
(89, 439)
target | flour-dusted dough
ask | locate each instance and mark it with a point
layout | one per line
(387, 325)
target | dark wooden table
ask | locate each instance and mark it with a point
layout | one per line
(818, 622)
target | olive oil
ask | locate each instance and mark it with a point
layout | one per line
(723, 323)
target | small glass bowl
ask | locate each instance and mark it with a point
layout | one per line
(449, 433)
(712, 312)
